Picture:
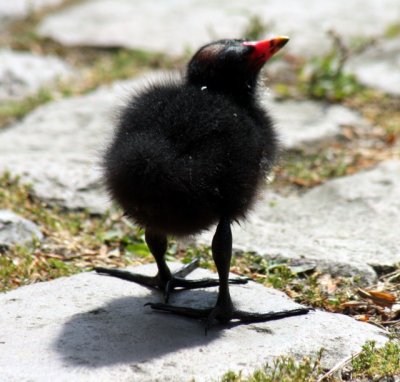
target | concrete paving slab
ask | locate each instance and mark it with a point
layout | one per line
(23, 73)
(95, 328)
(378, 67)
(174, 26)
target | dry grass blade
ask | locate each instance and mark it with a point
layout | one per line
(338, 366)
(383, 299)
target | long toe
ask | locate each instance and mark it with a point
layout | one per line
(177, 283)
(149, 281)
(180, 310)
(262, 317)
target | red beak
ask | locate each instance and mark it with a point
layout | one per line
(264, 50)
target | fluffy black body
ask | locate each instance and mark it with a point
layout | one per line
(184, 155)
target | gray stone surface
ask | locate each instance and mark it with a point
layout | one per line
(302, 122)
(352, 220)
(57, 147)
(23, 73)
(14, 229)
(174, 25)
(18, 9)
(95, 328)
(378, 67)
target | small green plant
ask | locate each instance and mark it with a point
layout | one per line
(255, 29)
(325, 77)
(377, 363)
(283, 369)
(16, 109)
(392, 31)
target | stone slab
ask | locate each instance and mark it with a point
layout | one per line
(16, 230)
(95, 328)
(174, 26)
(352, 220)
(24, 73)
(378, 67)
(303, 122)
(18, 9)
(62, 141)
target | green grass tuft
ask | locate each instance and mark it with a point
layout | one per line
(17, 109)
(256, 28)
(377, 363)
(284, 369)
(392, 31)
(74, 240)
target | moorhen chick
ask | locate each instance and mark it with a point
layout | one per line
(190, 153)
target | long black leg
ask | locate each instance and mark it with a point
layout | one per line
(222, 253)
(158, 246)
(224, 310)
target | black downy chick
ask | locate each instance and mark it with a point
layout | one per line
(191, 153)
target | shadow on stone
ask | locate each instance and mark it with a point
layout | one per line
(124, 331)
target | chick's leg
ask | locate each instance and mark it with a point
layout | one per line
(158, 246)
(222, 252)
(224, 310)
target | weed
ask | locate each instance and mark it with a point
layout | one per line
(376, 363)
(255, 29)
(325, 77)
(392, 31)
(283, 369)
(13, 110)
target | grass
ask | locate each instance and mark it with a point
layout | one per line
(392, 31)
(283, 369)
(373, 364)
(324, 77)
(256, 28)
(74, 241)
(10, 111)
(24, 265)
(376, 362)
(309, 169)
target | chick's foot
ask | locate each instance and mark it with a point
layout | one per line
(226, 314)
(176, 281)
